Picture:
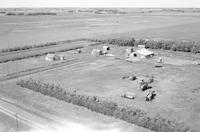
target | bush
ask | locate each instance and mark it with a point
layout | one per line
(106, 107)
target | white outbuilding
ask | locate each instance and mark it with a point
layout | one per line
(97, 52)
(105, 49)
(129, 51)
(54, 57)
(50, 57)
(141, 46)
(144, 53)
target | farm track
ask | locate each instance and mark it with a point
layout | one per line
(12, 56)
(38, 69)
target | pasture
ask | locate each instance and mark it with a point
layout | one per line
(29, 30)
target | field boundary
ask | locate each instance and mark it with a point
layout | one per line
(38, 69)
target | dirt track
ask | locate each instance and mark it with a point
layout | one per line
(36, 70)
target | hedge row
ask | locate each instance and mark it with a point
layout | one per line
(100, 105)
(26, 47)
(184, 46)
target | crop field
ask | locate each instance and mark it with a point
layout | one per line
(177, 90)
(29, 30)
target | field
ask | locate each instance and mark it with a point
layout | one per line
(29, 30)
(176, 83)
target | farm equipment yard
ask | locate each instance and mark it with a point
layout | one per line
(176, 84)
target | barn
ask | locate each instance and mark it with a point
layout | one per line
(51, 57)
(144, 53)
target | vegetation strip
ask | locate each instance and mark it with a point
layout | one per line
(109, 108)
(38, 54)
(26, 47)
(183, 46)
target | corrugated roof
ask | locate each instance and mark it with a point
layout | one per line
(144, 52)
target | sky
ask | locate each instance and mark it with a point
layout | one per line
(100, 3)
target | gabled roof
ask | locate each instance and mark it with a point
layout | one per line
(144, 52)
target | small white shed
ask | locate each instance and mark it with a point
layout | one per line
(97, 52)
(141, 46)
(50, 57)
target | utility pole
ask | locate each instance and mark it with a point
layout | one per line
(17, 122)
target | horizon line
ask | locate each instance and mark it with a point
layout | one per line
(97, 7)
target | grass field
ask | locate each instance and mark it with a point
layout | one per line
(28, 30)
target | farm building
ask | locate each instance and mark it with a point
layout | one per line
(132, 55)
(61, 57)
(105, 49)
(50, 57)
(53, 57)
(97, 52)
(141, 46)
(144, 53)
(129, 51)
